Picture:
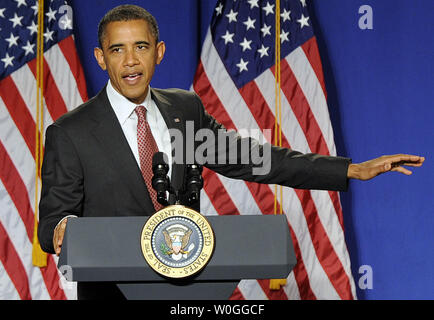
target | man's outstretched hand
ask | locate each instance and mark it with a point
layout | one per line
(372, 168)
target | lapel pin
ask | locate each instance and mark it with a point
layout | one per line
(177, 120)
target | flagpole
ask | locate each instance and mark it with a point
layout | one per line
(275, 284)
(39, 258)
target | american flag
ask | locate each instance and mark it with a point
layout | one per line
(236, 82)
(64, 89)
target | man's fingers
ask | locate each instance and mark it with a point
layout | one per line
(59, 233)
(402, 170)
(406, 158)
(62, 231)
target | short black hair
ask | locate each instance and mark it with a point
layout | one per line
(127, 12)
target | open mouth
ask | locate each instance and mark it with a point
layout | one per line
(133, 77)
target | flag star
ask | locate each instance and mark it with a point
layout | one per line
(232, 16)
(303, 3)
(303, 21)
(8, 60)
(35, 8)
(266, 30)
(246, 44)
(33, 28)
(28, 48)
(284, 36)
(219, 9)
(51, 15)
(263, 51)
(228, 37)
(48, 35)
(253, 3)
(20, 3)
(66, 23)
(12, 40)
(2, 11)
(285, 15)
(16, 20)
(250, 23)
(243, 65)
(268, 9)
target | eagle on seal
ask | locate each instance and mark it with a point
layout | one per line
(178, 244)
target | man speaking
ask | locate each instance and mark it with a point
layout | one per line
(98, 158)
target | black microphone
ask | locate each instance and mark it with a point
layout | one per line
(160, 180)
(194, 182)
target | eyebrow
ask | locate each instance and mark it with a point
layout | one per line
(117, 45)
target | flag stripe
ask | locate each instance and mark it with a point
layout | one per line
(319, 281)
(310, 86)
(13, 265)
(291, 288)
(272, 294)
(69, 51)
(65, 81)
(16, 231)
(53, 98)
(237, 295)
(51, 278)
(302, 111)
(251, 290)
(310, 48)
(17, 191)
(312, 91)
(212, 185)
(255, 102)
(299, 273)
(203, 87)
(16, 148)
(324, 248)
(27, 90)
(8, 291)
(206, 206)
(18, 112)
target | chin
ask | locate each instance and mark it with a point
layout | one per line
(135, 97)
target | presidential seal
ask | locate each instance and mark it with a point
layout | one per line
(177, 242)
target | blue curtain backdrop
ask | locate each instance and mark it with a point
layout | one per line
(380, 92)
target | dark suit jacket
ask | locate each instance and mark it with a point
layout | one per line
(89, 169)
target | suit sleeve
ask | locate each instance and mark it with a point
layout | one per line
(249, 160)
(62, 184)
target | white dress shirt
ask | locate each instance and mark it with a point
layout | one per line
(124, 110)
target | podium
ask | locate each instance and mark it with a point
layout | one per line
(108, 249)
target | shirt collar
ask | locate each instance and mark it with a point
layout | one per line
(123, 107)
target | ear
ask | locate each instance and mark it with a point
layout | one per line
(161, 49)
(99, 56)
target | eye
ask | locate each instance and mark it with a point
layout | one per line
(117, 50)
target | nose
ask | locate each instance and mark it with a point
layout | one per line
(131, 58)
